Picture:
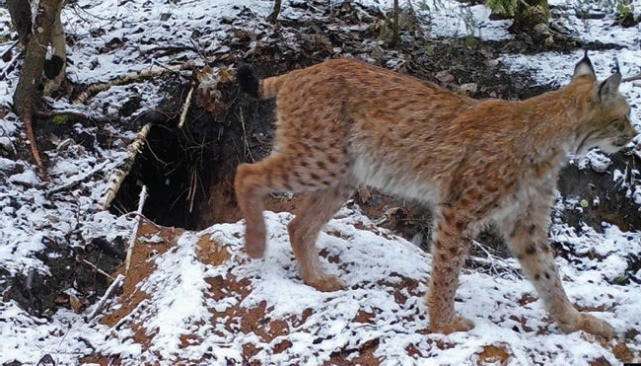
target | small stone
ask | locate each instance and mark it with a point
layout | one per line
(469, 88)
(444, 76)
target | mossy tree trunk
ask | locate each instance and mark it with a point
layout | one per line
(47, 31)
(532, 17)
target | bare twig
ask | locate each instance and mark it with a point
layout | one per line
(494, 262)
(134, 234)
(632, 78)
(185, 108)
(173, 71)
(245, 138)
(191, 195)
(159, 227)
(9, 49)
(11, 65)
(117, 283)
(94, 267)
(76, 181)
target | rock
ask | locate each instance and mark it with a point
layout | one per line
(469, 88)
(444, 76)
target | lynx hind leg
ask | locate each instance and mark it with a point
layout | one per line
(317, 209)
(449, 252)
(275, 173)
(528, 240)
(251, 185)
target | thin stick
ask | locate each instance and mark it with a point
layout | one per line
(76, 181)
(632, 78)
(10, 66)
(134, 234)
(185, 109)
(117, 283)
(194, 178)
(9, 48)
(159, 227)
(94, 267)
(245, 138)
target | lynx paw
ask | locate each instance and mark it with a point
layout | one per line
(459, 324)
(327, 283)
(593, 325)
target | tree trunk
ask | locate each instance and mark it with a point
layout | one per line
(532, 17)
(20, 11)
(29, 87)
(273, 17)
(54, 68)
(397, 25)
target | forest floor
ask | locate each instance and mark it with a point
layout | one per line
(191, 295)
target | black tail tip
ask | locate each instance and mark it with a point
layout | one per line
(247, 80)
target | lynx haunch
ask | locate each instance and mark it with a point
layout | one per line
(342, 123)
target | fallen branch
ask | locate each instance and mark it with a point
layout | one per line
(10, 66)
(632, 78)
(134, 234)
(116, 179)
(152, 71)
(76, 181)
(117, 283)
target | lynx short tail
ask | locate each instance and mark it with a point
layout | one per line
(248, 80)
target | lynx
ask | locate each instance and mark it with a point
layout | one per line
(343, 123)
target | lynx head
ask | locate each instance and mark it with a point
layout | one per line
(604, 112)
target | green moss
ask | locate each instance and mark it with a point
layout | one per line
(59, 119)
(502, 7)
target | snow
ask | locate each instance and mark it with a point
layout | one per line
(374, 264)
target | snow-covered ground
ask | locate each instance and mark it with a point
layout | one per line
(384, 274)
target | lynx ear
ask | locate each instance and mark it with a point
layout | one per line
(609, 88)
(584, 67)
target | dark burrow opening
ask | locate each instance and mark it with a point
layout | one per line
(189, 171)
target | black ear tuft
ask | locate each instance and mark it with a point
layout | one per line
(247, 80)
(584, 67)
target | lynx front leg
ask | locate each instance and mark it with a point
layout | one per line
(448, 256)
(318, 208)
(529, 242)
